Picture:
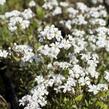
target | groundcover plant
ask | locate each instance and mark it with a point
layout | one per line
(54, 54)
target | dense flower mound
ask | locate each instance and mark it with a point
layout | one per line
(71, 51)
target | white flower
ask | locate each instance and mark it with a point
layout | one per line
(84, 81)
(97, 88)
(79, 44)
(12, 14)
(93, 88)
(12, 25)
(102, 87)
(73, 58)
(32, 3)
(102, 31)
(77, 71)
(96, 1)
(49, 66)
(94, 13)
(67, 88)
(64, 4)
(82, 7)
(101, 42)
(78, 33)
(68, 24)
(106, 76)
(65, 44)
(49, 4)
(51, 32)
(24, 100)
(92, 71)
(3, 53)
(51, 52)
(2, 2)
(58, 79)
(15, 20)
(27, 14)
(91, 59)
(73, 12)
(107, 45)
(63, 65)
(39, 79)
(57, 11)
(69, 85)
(25, 24)
(12, 28)
(97, 21)
(79, 20)
(91, 38)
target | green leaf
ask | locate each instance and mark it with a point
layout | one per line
(101, 105)
(40, 12)
(3, 103)
(79, 98)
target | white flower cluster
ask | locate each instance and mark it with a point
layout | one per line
(37, 99)
(16, 18)
(71, 60)
(25, 51)
(82, 45)
(49, 4)
(38, 96)
(51, 51)
(83, 15)
(54, 6)
(49, 33)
